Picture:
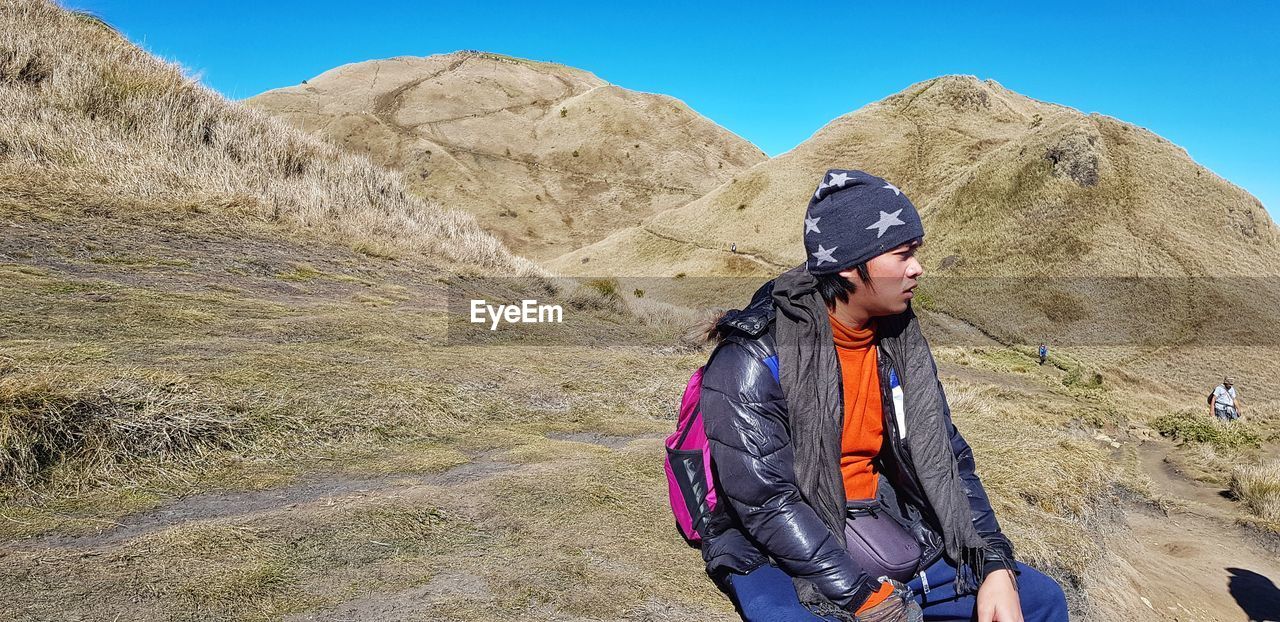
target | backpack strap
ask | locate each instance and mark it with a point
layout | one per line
(697, 414)
(697, 409)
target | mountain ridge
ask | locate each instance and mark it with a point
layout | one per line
(548, 157)
(939, 140)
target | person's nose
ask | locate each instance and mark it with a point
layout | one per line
(914, 269)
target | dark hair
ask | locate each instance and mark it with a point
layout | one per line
(834, 287)
(707, 329)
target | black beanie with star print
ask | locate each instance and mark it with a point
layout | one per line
(853, 217)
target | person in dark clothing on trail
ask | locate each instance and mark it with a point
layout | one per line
(1044, 353)
(848, 493)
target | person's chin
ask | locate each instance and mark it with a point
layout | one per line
(893, 308)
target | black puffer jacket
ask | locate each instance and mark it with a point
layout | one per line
(745, 414)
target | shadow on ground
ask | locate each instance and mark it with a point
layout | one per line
(1256, 594)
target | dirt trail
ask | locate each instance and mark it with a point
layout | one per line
(311, 499)
(1196, 563)
(1026, 383)
(1205, 499)
(313, 490)
(1199, 569)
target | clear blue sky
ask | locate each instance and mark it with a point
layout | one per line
(1204, 75)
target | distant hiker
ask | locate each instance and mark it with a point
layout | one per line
(1223, 402)
(811, 400)
(1044, 353)
(733, 248)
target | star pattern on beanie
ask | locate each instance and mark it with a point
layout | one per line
(886, 220)
(838, 180)
(844, 211)
(823, 255)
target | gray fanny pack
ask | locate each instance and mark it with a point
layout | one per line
(878, 543)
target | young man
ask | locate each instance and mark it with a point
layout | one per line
(823, 397)
(1044, 353)
(1225, 404)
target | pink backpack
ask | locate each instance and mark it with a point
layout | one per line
(688, 465)
(689, 477)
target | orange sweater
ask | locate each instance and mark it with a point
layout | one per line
(863, 421)
(863, 415)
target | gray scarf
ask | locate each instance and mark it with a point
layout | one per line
(811, 381)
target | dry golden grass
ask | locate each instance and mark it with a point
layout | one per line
(1053, 491)
(1006, 186)
(93, 121)
(547, 157)
(275, 335)
(172, 259)
(1258, 487)
(355, 395)
(51, 416)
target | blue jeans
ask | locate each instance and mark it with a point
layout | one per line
(767, 594)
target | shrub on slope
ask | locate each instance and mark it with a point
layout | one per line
(1258, 486)
(47, 417)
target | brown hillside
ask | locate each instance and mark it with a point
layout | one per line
(231, 388)
(225, 391)
(93, 125)
(547, 157)
(1007, 186)
(1010, 189)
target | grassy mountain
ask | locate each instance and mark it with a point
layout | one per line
(547, 157)
(1034, 214)
(228, 390)
(150, 223)
(1007, 186)
(109, 125)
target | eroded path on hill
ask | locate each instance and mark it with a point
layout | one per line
(1188, 562)
(311, 493)
(1194, 562)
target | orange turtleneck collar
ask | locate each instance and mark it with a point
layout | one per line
(863, 415)
(846, 337)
